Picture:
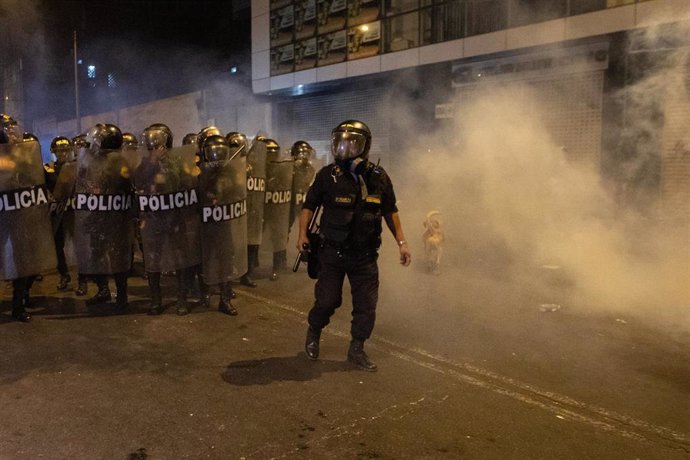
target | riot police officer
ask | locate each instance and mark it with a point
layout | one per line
(303, 174)
(103, 203)
(60, 176)
(223, 200)
(79, 143)
(279, 170)
(165, 183)
(238, 143)
(26, 243)
(355, 195)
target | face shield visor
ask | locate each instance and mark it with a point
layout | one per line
(216, 153)
(13, 132)
(346, 145)
(64, 154)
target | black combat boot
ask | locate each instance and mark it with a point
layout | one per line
(357, 356)
(182, 290)
(156, 307)
(64, 281)
(225, 304)
(277, 266)
(103, 294)
(204, 294)
(245, 280)
(122, 302)
(182, 308)
(19, 313)
(311, 346)
(82, 287)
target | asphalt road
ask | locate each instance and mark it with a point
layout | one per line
(469, 367)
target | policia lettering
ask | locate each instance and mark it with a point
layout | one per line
(167, 201)
(256, 184)
(92, 202)
(23, 198)
(224, 212)
(279, 197)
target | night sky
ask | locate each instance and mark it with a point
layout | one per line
(150, 49)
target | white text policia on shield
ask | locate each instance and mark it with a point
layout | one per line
(21, 199)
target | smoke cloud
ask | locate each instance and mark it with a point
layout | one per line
(519, 210)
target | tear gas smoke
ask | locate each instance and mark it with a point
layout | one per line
(518, 208)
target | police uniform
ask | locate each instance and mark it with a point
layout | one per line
(353, 206)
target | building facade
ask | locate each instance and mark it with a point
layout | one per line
(319, 61)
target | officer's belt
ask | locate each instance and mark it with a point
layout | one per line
(348, 245)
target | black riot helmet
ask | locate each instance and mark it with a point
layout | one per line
(62, 148)
(205, 134)
(237, 141)
(166, 130)
(215, 149)
(272, 149)
(190, 139)
(10, 130)
(350, 139)
(79, 141)
(30, 137)
(154, 138)
(301, 150)
(104, 137)
(112, 139)
(129, 141)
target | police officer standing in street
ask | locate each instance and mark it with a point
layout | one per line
(355, 195)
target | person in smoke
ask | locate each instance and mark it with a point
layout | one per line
(170, 237)
(355, 195)
(79, 143)
(21, 255)
(63, 153)
(103, 213)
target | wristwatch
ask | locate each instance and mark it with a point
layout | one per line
(401, 242)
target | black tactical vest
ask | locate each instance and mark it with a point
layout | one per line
(352, 210)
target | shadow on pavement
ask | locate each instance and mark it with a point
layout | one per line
(288, 368)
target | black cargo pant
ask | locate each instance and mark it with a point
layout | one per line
(362, 271)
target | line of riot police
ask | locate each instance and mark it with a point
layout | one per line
(200, 211)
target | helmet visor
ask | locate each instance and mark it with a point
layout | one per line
(217, 152)
(346, 145)
(63, 154)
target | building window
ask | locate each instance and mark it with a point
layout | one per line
(443, 22)
(523, 12)
(484, 16)
(392, 7)
(402, 32)
(91, 72)
(332, 48)
(364, 40)
(332, 15)
(362, 11)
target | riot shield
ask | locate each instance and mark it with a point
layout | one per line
(26, 240)
(103, 204)
(302, 177)
(61, 210)
(223, 200)
(256, 191)
(168, 204)
(278, 199)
